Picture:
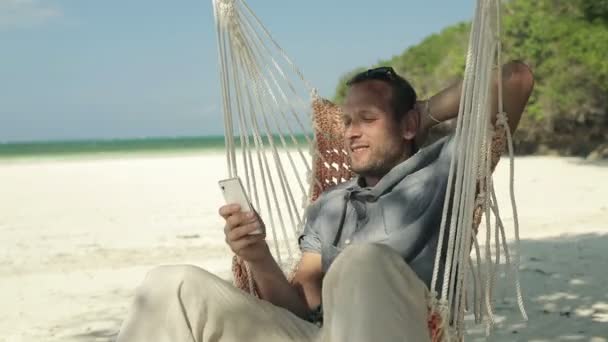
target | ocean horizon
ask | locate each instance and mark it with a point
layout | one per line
(120, 146)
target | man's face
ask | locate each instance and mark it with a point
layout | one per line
(373, 136)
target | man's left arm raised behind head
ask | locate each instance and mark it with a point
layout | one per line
(517, 86)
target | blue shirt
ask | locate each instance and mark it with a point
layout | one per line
(403, 210)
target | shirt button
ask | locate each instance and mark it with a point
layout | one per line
(347, 242)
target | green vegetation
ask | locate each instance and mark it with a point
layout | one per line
(566, 44)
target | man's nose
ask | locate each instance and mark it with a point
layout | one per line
(352, 131)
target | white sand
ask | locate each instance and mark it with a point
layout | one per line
(78, 235)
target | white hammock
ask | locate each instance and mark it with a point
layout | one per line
(264, 107)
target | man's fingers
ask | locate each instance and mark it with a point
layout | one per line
(240, 219)
(244, 230)
(246, 242)
(229, 209)
(233, 221)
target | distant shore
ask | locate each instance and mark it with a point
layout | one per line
(100, 147)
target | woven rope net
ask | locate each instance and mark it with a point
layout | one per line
(286, 144)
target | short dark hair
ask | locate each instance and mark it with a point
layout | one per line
(403, 96)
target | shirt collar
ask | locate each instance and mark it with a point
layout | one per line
(412, 164)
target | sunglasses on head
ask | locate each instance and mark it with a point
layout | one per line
(385, 73)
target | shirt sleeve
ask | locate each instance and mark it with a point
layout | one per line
(310, 239)
(445, 156)
(497, 148)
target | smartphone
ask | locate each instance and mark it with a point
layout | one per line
(234, 193)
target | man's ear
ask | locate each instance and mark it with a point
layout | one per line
(410, 124)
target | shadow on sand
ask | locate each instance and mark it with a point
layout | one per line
(564, 285)
(563, 279)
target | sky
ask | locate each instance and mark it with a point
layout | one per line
(75, 69)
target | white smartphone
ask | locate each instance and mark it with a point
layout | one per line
(234, 193)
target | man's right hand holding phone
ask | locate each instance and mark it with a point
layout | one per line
(238, 230)
(271, 282)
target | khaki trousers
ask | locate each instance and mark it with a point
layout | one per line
(369, 294)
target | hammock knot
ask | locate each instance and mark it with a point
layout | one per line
(432, 299)
(502, 119)
(481, 199)
(443, 307)
(225, 8)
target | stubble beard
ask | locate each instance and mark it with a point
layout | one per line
(379, 163)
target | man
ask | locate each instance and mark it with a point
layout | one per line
(368, 245)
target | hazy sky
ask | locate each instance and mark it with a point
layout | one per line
(74, 69)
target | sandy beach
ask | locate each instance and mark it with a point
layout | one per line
(79, 234)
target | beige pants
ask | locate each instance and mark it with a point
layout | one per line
(369, 294)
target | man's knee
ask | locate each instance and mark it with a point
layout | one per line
(362, 260)
(166, 281)
(366, 255)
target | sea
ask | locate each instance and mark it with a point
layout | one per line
(113, 147)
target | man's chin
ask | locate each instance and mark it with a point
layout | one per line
(360, 161)
(360, 169)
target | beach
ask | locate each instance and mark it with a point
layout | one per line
(79, 235)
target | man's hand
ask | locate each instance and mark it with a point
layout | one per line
(270, 280)
(239, 225)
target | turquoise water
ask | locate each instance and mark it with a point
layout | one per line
(122, 146)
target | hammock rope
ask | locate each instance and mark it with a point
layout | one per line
(263, 95)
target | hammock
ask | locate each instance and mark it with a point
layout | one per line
(266, 100)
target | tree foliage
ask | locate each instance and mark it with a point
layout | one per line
(565, 42)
